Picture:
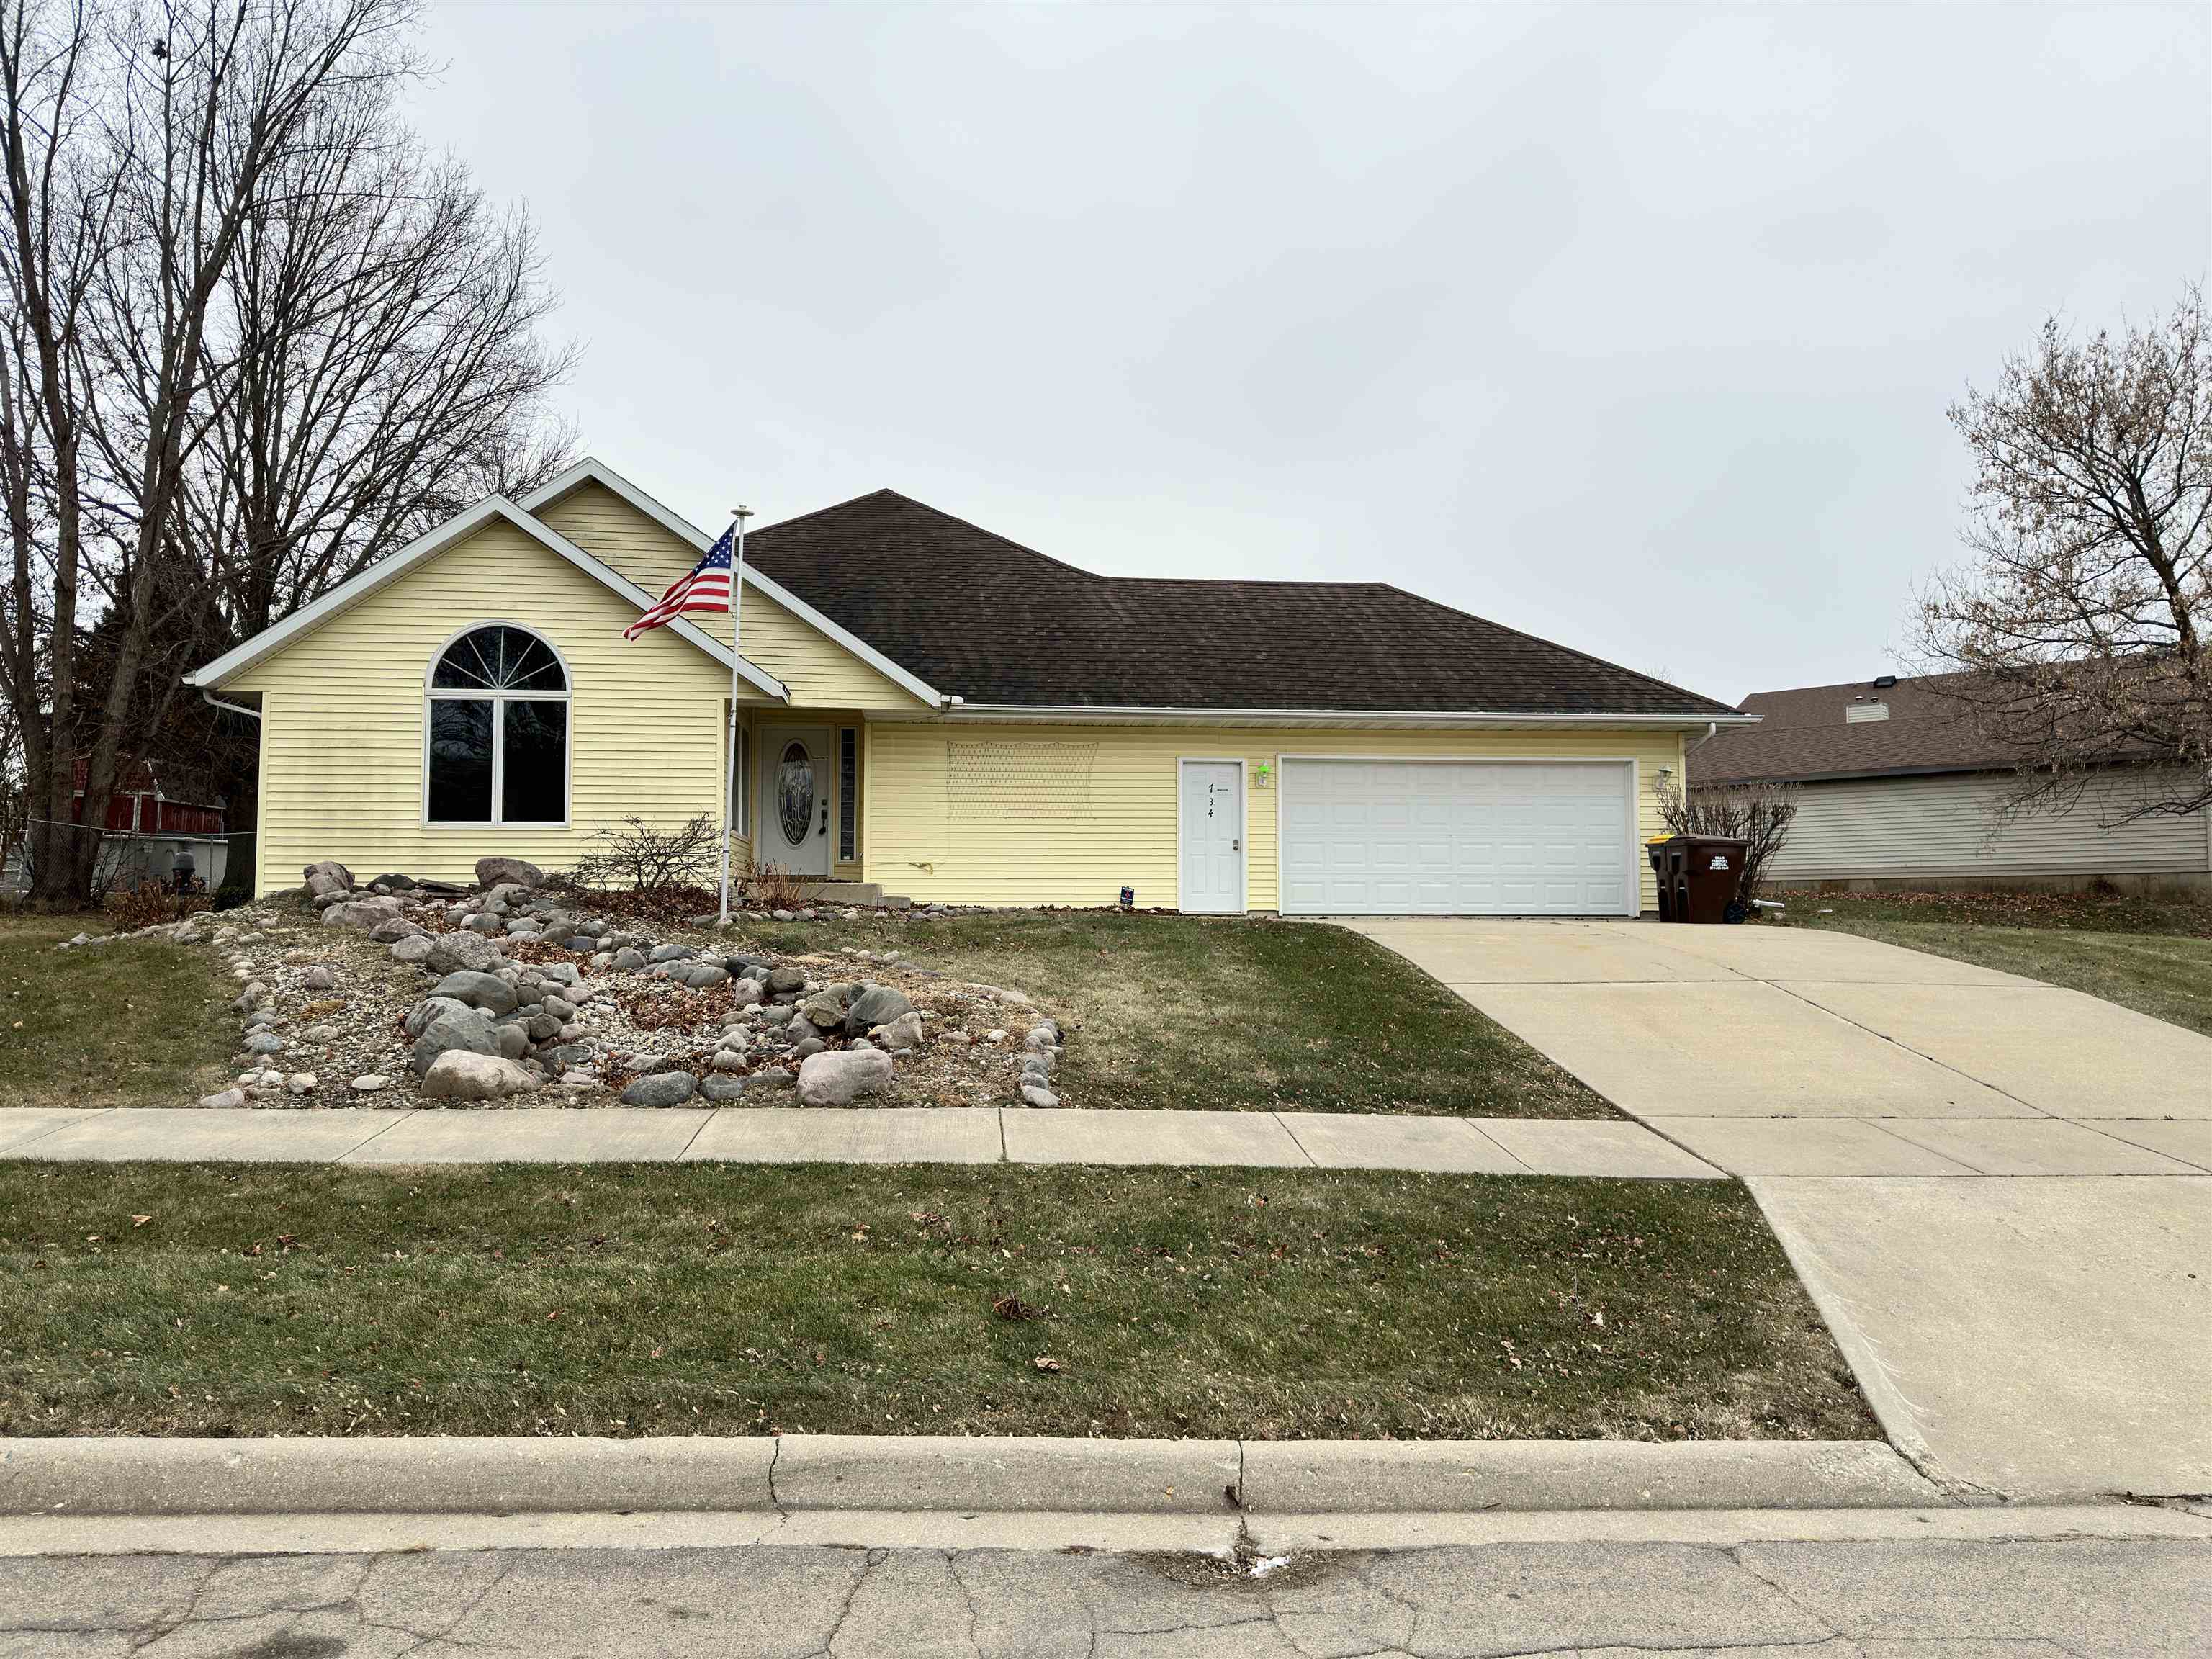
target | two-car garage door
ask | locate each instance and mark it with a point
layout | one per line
(1385, 837)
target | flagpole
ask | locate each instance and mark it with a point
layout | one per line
(731, 781)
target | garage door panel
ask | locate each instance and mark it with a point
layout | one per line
(1458, 838)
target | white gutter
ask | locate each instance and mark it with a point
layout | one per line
(1079, 714)
(214, 702)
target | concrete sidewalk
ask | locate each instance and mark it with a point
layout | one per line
(738, 1135)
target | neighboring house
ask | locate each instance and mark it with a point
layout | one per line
(1898, 787)
(933, 709)
(157, 811)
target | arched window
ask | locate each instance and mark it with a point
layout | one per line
(498, 730)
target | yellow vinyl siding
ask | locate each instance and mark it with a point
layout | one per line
(818, 671)
(342, 712)
(1042, 849)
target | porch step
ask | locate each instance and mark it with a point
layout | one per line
(846, 892)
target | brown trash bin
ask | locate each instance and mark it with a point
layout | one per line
(1699, 876)
(1657, 852)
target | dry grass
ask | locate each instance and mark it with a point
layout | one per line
(698, 1299)
(1183, 1012)
(136, 1024)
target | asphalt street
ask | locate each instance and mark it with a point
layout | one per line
(1899, 1599)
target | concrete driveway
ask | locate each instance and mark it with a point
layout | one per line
(1996, 1190)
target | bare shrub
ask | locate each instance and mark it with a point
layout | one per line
(635, 854)
(148, 904)
(772, 887)
(1757, 814)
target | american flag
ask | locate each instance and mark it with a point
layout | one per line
(705, 586)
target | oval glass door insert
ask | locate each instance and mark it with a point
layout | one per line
(794, 793)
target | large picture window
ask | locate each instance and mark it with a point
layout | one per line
(497, 731)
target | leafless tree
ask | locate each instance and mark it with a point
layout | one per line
(255, 339)
(384, 320)
(1757, 814)
(2083, 621)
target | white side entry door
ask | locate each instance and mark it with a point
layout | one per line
(1210, 834)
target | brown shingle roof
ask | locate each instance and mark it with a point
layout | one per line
(986, 619)
(1803, 734)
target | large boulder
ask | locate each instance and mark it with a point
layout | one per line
(877, 1005)
(460, 1074)
(493, 871)
(826, 1011)
(420, 1016)
(416, 947)
(451, 952)
(901, 1035)
(661, 1089)
(327, 877)
(393, 929)
(393, 881)
(842, 1078)
(467, 1028)
(361, 912)
(479, 990)
(787, 979)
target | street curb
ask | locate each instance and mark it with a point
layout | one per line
(794, 1473)
(441, 1475)
(1283, 1477)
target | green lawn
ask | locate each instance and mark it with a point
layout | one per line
(138, 1023)
(1187, 1012)
(191, 1299)
(2149, 954)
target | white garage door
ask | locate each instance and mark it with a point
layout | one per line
(1458, 838)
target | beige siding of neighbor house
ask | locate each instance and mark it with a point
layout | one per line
(819, 672)
(343, 713)
(1943, 827)
(1019, 814)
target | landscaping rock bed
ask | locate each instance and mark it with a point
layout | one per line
(410, 994)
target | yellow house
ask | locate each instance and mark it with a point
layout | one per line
(918, 707)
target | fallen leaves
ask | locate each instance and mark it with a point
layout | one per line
(1013, 1308)
(1047, 1364)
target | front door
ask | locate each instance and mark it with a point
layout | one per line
(1212, 836)
(792, 829)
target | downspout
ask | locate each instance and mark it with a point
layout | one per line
(214, 702)
(1712, 726)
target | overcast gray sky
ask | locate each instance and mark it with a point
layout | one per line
(1630, 326)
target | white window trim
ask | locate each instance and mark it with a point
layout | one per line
(431, 695)
(1636, 861)
(1243, 834)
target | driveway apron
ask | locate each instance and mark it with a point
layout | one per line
(1997, 1191)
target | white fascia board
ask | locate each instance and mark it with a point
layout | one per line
(591, 471)
(1078, 713)
(429, 545)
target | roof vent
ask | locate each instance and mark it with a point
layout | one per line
(1883, 682)
(1858, 713)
